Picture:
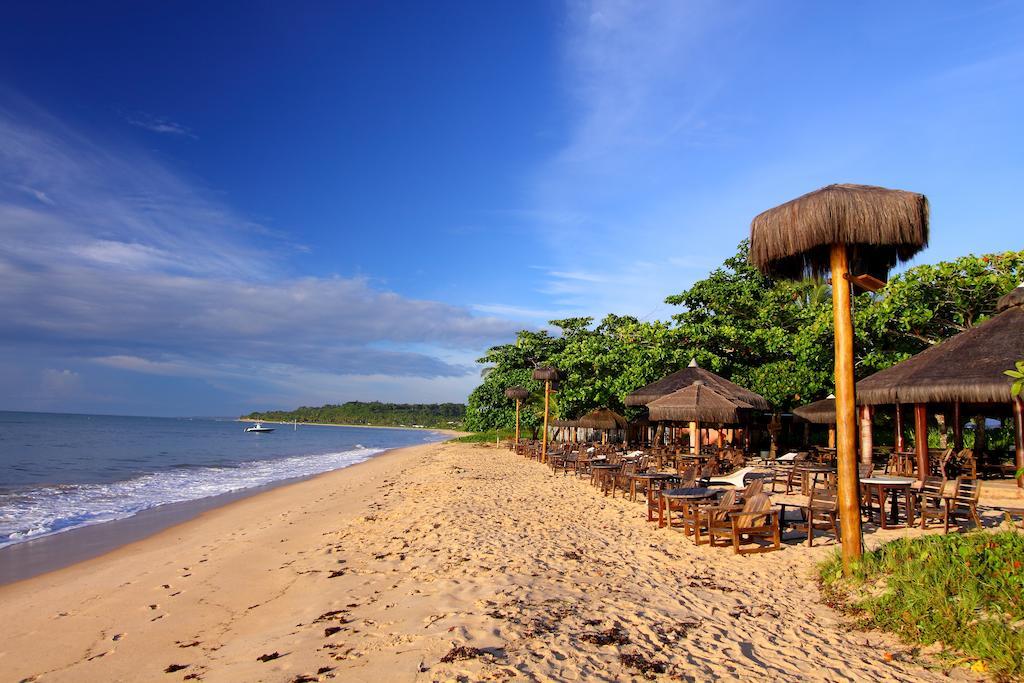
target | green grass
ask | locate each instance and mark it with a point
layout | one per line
(487, 437)
(965, 591)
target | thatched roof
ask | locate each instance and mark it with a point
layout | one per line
(642, 421)
(686, 377)
(698, 402)
(602, 418)
(545, 373)
(564, 423)
(967, 368)
(820, 412)
(879, 226)
(517, 393)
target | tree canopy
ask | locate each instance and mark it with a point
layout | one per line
(773, 337)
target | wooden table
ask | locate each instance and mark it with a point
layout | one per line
(599, 473)
(647, 477)
(815, 470)
(885, 486)
(687, 500)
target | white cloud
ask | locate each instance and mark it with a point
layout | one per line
(160, 124)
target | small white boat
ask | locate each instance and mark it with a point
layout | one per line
(259, 428)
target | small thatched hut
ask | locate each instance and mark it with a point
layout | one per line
(686, 377)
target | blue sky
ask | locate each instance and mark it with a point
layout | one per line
(213, 209)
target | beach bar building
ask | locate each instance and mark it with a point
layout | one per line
(963, 376)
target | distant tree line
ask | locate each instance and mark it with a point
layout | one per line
(772, 337)
(375, 413)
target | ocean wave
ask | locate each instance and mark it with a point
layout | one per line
(40, 511)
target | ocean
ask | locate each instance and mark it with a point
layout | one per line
(61, 472)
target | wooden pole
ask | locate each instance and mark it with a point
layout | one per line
(695, 438)
(517, 420)
(831, 436)
(958, 428)
(1018, 438)
(867, 441)
(846, 418)
(900, 446)
(544, 439)
(921, 439)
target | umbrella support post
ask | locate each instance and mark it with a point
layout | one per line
(867, 440)
(899, 429)
(517, 420)
(921, 439)
(1018, 438)
(544, 442)
(846, 418)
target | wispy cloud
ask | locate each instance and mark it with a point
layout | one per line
(159, 124)
(115, 262)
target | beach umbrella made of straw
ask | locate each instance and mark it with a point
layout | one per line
(856, 233)
(602, 418)
(699, 402)
(821, 412)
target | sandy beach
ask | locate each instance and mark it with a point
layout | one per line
(378, 571)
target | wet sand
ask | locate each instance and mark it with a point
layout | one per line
(381, 571)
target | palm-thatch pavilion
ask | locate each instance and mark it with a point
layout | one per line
(965, 372)
(518, 394)
(546, 375)
(821, 412)
(569, 427)
(686, 377)
(603, 420)
(640, 428)
(858, 233)
(699, 403)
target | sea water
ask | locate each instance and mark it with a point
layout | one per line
(61, 472)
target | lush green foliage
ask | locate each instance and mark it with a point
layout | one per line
(1017, 376)
(437, 415)
(965, 591)
(772, 337)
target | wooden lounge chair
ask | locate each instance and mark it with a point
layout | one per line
(715, 517)
(757, 520)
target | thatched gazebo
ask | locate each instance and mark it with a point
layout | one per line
(821, 412)
(697, 403)
(858, 233)
(546, 375)
(965, 371)
(687, 377)
(518, 394)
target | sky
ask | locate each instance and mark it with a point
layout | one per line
(213, 208)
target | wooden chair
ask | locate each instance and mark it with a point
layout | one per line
(931, 504)
(822, 514)
(714, 518)
(964, 501)
(620, 480)
(755, 487)
(757, 520)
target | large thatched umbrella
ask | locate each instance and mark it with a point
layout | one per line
(965, 369)
(821, 412)
(686, 377)
(519, 394)
(857, 232)
(699, 403)
(547, 375)
(602, 419)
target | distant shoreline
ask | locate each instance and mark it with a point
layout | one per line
(443, 430)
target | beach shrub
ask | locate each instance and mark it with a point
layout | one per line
(489, 436)
(963, 591)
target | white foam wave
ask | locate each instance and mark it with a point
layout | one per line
(45, 510)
